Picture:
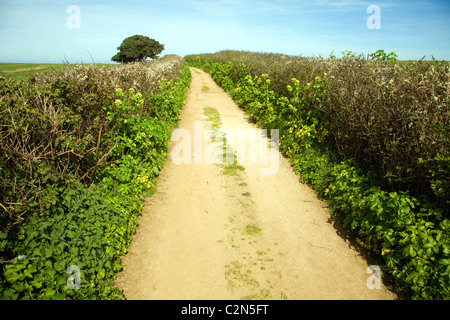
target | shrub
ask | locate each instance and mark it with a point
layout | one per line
(79, 148)
(359, 130)
(390, 118)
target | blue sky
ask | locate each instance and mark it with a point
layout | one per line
(37, 31)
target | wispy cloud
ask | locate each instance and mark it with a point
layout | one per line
(36, 30)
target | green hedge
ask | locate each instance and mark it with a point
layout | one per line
(409, 237)
(76, 225)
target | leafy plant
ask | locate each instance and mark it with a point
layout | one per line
(79, 211)
(355, 129)
(383, 56)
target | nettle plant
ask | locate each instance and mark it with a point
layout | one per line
(74, 232)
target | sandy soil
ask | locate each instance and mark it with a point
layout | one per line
(210, 235)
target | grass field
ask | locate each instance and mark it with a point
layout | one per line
(19, 71)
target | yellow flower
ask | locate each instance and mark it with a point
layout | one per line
(119, 93)
(142, 179)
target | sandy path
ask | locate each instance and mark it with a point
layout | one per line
(209, 235)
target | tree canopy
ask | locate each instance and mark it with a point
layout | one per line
(138, 48)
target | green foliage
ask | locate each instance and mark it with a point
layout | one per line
(56, 127)
(383, 56)
(348, 54)
(349, 128)
(138, 48)
(168, 102)
(406, 233)
(73, 232)
(84, 219)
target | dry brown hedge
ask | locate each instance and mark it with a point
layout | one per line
(52, 128)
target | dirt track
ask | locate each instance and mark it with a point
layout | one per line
(213, 234)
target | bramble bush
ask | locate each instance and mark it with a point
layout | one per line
(371, 137)
(79, 149)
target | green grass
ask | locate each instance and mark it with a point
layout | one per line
(403, 63)
(19, 71)
(213, 116)
(232, 169)
(252, 230)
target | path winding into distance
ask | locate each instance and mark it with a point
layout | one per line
(210, 235)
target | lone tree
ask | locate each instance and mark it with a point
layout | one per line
(137, 48)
